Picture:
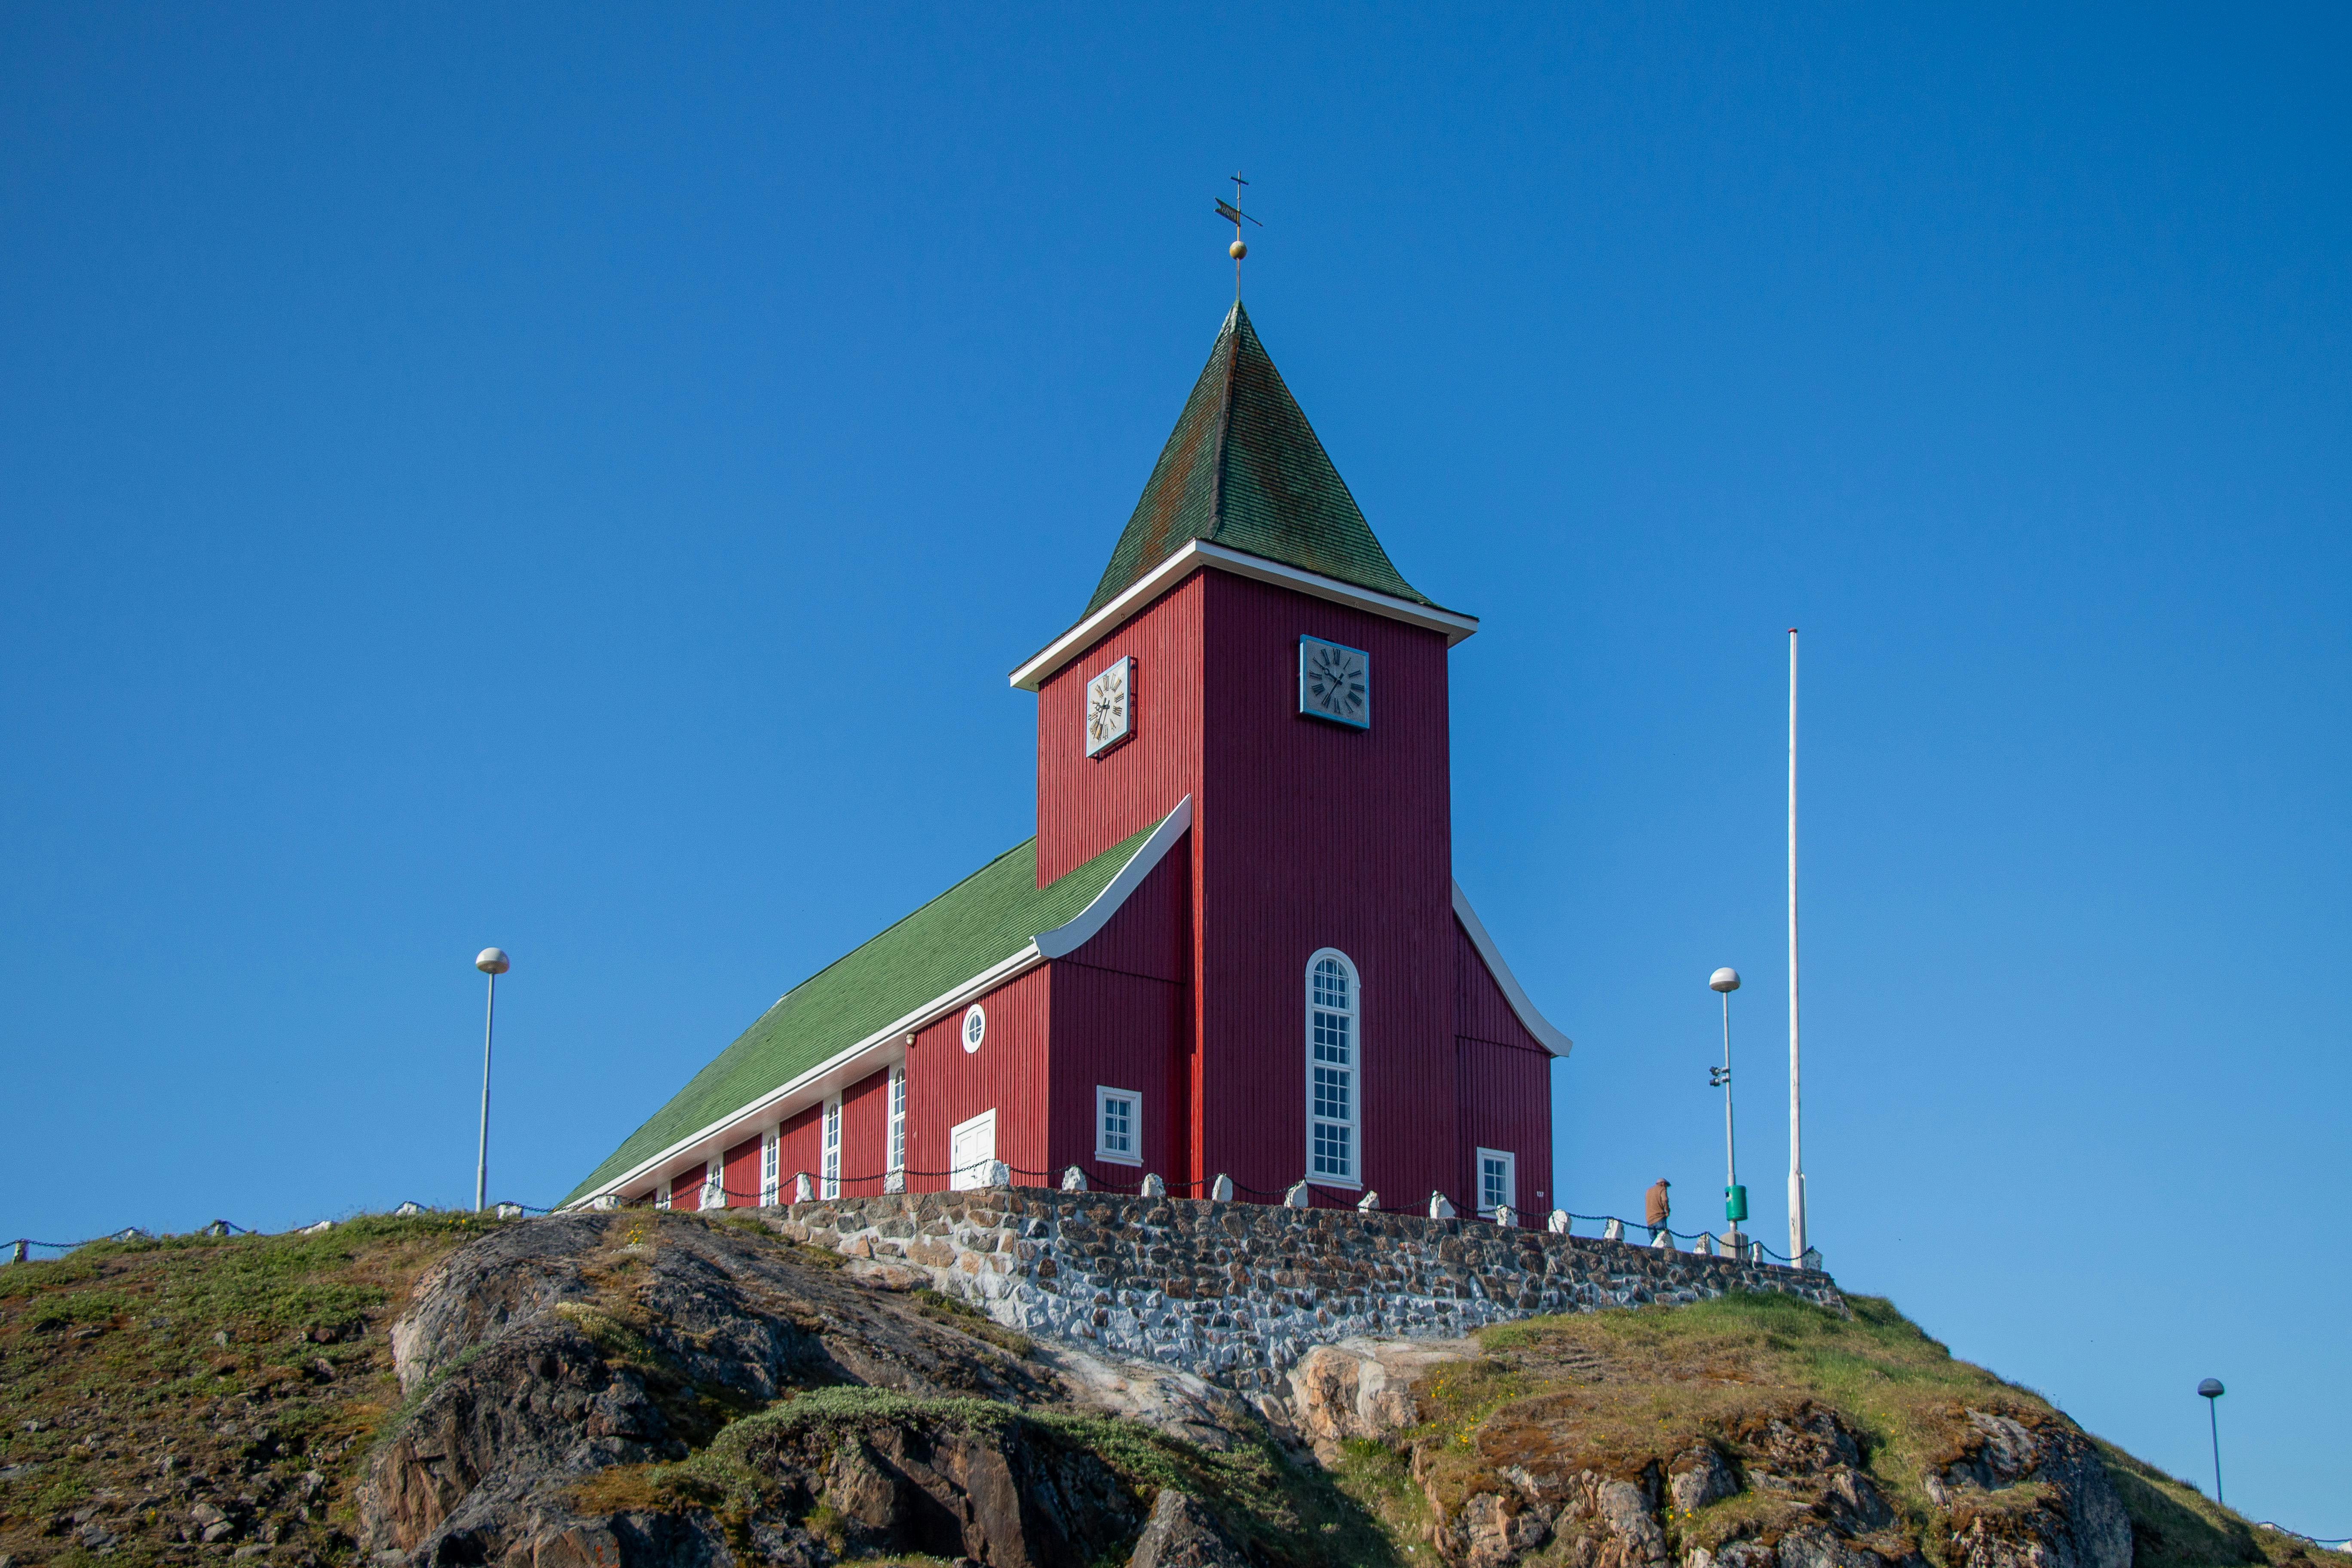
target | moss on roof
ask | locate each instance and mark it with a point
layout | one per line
(1242, 468)
(982, 920)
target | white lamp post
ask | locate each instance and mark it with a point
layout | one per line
(493, 962)
(1735, 1198)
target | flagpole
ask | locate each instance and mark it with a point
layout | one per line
(1796, 1137)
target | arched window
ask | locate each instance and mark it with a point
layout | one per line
(1334, 1045)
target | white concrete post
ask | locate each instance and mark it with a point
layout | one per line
(1295, 1198)
(1074, 1180)
(1222, 1189)
(1613, 1231)
(1439, 1207)
(1153, 1187)
(1370, 1202)
(1560, 1223)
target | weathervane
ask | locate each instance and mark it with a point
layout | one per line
(1231, 210)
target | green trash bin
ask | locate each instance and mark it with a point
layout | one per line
(1734, 1204)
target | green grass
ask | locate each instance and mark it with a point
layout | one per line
(251, 1359)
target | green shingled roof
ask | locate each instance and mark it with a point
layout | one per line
(982, 920)
(1242, 468)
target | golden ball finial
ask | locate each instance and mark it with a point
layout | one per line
(1237, 251)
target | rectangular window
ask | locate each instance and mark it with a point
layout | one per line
(768, 1152)
(829, 1170)
(1119, 1126)
(1499, 1181)
(896, 1182)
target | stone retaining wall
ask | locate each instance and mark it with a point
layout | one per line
(1237, 1292)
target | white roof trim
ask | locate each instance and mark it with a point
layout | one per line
(882, 1047)
(1197, 553)
(1065, 939)
(1555, 1042)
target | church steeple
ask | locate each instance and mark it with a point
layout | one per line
(1243, 469)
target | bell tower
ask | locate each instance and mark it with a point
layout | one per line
(1251, 645)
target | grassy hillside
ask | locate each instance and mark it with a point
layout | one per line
(189, 1398)
(1616, 1391)
(148, 1386)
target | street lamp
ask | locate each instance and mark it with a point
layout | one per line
(1735, 1196)
(2210, 1390)
(492, 962)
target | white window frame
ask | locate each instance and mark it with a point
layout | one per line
(714, 1184)
(896, 1180)
(1510, 1181)
(770, 1146)
(973, 1029)
(1354, 1125)
(829, 1150)
(1104, 1096)
(976, 1177)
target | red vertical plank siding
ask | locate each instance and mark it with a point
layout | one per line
(1312, 834)
(1151, 934)
(1506, 1105)
(864, 1134)
(945, 1086)
(1123, 1031)
(1122, 1019)
(1505, 1080)
(800, 1146)
(1480, 1009)
(686, 1188)
(741, 1168)
(1086, 804)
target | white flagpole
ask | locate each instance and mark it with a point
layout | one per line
(1796, 1141)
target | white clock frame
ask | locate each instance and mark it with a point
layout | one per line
(1115, 677)
(1309, 707)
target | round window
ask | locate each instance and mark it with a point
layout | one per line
(975, 1025)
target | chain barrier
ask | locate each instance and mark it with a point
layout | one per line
(2329, 1540)
(880, 1185)
(1317, 1197)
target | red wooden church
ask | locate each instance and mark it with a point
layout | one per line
(1235, 949)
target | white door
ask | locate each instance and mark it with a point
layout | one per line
(972, 1145)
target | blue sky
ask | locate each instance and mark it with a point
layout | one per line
(577, 478)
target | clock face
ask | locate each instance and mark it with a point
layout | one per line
(1110, 707)
(1335, 683)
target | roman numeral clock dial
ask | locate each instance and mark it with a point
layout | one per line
(1335, 683)
(1111, 708)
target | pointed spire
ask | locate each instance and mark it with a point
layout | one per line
(1243, 469)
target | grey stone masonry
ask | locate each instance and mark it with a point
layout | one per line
(1238, 1292)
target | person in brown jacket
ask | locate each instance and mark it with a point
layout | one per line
(1658, 1209)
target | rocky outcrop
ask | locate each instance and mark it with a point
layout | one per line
(559, 1370)
(1362, 1388)
(2019, 1496)
(1534, 1482)
(2033, 1495)
(554, 1349)
(1180, 1533)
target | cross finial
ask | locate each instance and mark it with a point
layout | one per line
(1233, 210)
